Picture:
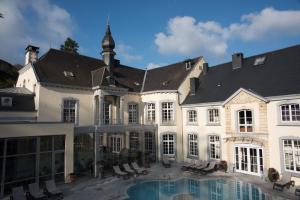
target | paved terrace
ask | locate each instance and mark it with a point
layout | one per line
(113, 188)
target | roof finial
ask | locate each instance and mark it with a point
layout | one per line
(107, 25)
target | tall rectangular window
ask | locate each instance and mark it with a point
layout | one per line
(168, 144)
(213, 116)
(132, 113)
(245, 121)
(192, 116)
(193, 145)
(149, 142)
(290, 113)
(134, 141)
(291, 151)
(150, 112)
(214, 147)
(69, 110)
(107, 112)
(116, 144)
(167, 112)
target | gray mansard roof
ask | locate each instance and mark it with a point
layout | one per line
(90, 72)
(279, 75)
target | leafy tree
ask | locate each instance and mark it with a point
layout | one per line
(70, 45)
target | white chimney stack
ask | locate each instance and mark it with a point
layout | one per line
(31, 54)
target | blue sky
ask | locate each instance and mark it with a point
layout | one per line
(151, 32)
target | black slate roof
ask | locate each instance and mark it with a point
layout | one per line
(90, 72)
(22, 99)
(168, 77)
(279, 75)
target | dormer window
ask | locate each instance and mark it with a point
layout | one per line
(6, 101)
(68, 74)
(259, 60)
(165, 83)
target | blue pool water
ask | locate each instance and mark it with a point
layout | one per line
(216, 189)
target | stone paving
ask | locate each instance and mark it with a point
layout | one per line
(114, 188)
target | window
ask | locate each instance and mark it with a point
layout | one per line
(290, 113)
(116, 144)
(245, 123)
(168, 144)
(6, 101)
(68, 74)
(214, 147)
(259, 60)
(193, 145)
(213, 116)
(69, 110)
(167, 112)
(132, 113)
(150, 112)
(192, 116)
(107, 113)
(134, 141)
(149, 142)
(291, 151)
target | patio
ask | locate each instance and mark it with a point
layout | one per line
(113, 188)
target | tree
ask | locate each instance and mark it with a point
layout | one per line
(70, 46)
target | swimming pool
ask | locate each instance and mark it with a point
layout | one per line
(190, 189)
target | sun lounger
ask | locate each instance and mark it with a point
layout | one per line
(187, 166)
(119, 173)
(128, 169)
(210, 168)
(18, 193)
(166, 162)
(51, 189)
(138, 169)
(35, 192)
(285, 181)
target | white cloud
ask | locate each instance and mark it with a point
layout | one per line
(186, 36)
(40, 23)
(126, 52)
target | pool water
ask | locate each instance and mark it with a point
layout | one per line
(190, 189)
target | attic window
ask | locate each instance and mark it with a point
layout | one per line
(6, 101)
(165, 83)
(188, 64)
(259, 60)
(136, 83)
(68, 74)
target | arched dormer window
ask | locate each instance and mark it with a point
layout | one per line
(245, 121)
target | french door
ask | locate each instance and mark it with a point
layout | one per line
(248, 159)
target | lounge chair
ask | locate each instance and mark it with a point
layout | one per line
(199, 166)
(128, 169)
(120, 173)
(187, 166)
(166, 162)
(35, 192)
(51, 189)
(285, 181)
(18, 193)
(138, 169)
(210, 168)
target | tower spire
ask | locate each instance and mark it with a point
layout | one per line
(108, 45)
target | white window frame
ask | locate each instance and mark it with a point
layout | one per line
(294, 153)
(6, 101)
(213, 116)
(133, 113)
(215, 145)
(68, 109)
(246, 124)
(290, 113)
(192, 117)
(167, 144)
(116, 143)
(167, 112)
(193, 150)
(150, 112)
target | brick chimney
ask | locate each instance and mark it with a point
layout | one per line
(31, 54)
(237, 60)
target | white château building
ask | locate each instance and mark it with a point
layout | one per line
(69, 112)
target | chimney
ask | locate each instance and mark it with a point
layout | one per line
(205, 68)
(31, 54)
(237, 60)
(194, 82)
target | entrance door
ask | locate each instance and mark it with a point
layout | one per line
(248, 159)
